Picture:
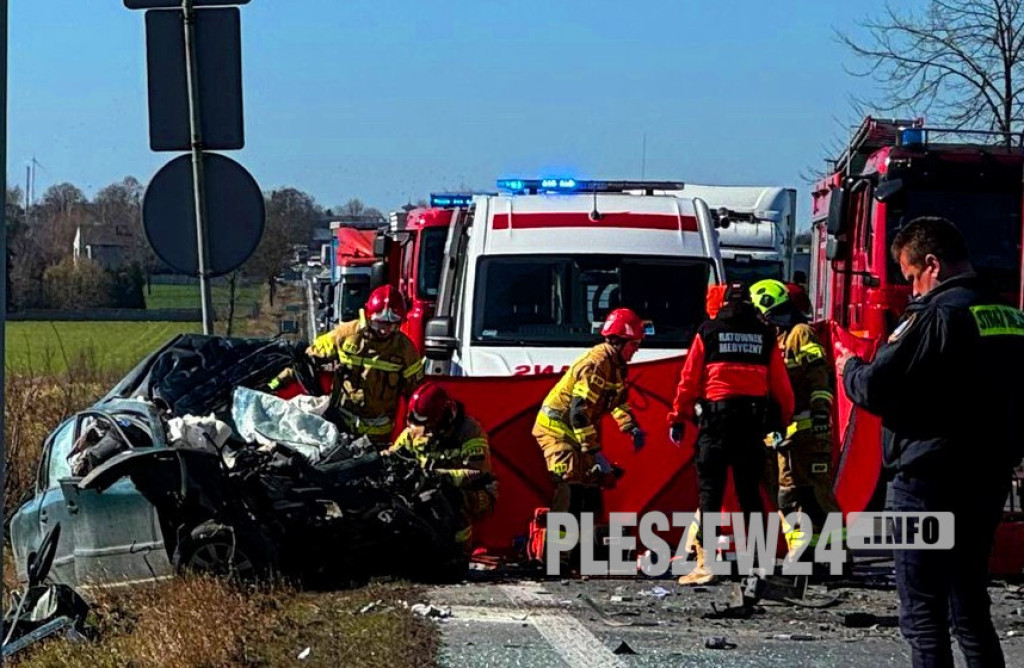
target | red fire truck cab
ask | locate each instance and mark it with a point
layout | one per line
(410, 254)
(891, 173)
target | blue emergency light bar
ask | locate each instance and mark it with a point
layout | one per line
(911, 136)
(444, 200)
(570, 185)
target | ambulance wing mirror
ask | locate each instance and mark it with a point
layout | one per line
(885, 190)
(836, 211)
(439, 339)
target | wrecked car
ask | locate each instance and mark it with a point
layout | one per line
(186, 465)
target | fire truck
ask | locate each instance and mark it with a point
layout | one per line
(528, 275)
(890, 173)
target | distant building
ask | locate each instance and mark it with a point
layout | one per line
(106, 244)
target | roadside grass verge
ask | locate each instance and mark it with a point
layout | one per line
(195, 621)
(54, 347)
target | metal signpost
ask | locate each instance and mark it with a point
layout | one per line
(189, 18)
(3, 254)
(194, 72)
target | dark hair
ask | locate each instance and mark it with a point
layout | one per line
(799, 276)
(929, 235)
(737, 292)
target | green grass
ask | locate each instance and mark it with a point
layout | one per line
(35, 347)
(187, 296)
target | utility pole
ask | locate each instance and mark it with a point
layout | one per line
(3, 248)
(189, 17)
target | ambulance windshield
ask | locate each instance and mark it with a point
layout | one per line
(552, 300)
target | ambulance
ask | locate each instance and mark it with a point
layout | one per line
(530, 273)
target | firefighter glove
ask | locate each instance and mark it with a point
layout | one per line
(676, 433)
(639, 438)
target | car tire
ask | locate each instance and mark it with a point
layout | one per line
(217, 549)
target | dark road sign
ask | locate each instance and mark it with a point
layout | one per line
(235, 214)
(218, 46)
(176, 4)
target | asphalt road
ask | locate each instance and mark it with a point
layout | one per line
(627, 622)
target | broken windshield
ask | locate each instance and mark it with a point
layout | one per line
(551, 300)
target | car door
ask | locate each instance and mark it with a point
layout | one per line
(117, 537)
(47, 508)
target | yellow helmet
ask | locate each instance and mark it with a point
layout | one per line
(768, 293)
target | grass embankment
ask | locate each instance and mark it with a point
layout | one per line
(205, 622)
(48, 348)
(187, 296)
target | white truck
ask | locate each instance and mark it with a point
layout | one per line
(756, 228)
(529, 275)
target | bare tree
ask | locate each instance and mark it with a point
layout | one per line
(960, 59)
(291, 215)
(119, 205)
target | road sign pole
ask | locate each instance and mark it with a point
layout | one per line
(3, 253)
(189, 17)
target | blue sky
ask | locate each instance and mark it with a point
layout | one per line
(388, 101)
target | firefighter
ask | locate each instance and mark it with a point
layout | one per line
(735, 374)
(947, 386)
(804, 451)
(567, 424)
(453, 445)
(375, 366)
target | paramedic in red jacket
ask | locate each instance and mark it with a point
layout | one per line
(735, 374)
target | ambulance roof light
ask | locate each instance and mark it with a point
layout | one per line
(571, 185)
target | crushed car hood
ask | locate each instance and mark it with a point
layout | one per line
(195, 374)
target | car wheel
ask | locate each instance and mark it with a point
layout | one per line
(216, 549)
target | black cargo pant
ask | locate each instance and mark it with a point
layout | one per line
(731, 436)
(940, 589)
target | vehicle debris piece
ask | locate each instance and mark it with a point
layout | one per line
(431, 611)
(43, 610)
(370, 606)
(719, 642)
(657, 592)
(624, 648)
(794, 636)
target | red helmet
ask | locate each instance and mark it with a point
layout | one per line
(625, 324)
(385, 304)
(431, 406)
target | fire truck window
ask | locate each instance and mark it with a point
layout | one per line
(990, 222)
(867, 230)
(563, 301)
(431, 260)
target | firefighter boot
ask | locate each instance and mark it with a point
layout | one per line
(701, 574)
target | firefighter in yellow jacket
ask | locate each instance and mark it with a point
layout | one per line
(451, 444)
(805, 450)
(375, 366)
(567, 424)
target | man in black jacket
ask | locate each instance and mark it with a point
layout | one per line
(947, 387)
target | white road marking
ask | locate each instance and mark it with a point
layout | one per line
(567, 635)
